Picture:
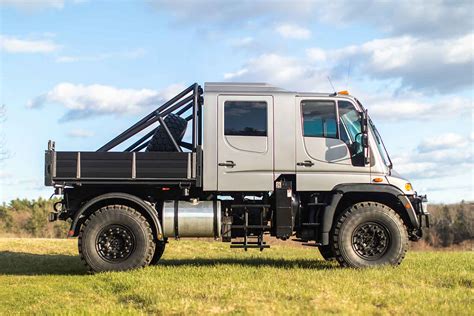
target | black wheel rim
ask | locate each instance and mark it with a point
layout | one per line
(115, 243)
(370, 240)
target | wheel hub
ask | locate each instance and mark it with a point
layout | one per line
(115, 243)
(370, 240)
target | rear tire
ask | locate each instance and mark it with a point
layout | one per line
(116, 238)
(369, 234)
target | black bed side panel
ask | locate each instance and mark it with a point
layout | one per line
(162, 165)
(109, 165)
(66, 164)
(122, 165)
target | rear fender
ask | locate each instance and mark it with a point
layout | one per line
(94, 204)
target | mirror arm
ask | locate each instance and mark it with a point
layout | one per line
(365, 137)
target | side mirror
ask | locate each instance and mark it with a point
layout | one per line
(365, 129)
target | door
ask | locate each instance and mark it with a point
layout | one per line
(328, 147)
(245, 143)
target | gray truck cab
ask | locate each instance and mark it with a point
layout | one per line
(254, 133)
(261, 161)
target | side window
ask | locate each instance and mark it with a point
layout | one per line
(245, 118)
(319, 118)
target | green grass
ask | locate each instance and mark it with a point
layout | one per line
(195, 277)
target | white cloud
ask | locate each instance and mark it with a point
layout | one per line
(443, 142)
(131, 54)
(87, 100)
(238, 73)
(15, 45)
(37, 5)
(33, 4)
(80, 133)
(392, 107)
(281, 70)
(438, 156)
(5, 174)
(317, 54)
(242, 42)
(434, 19)
(418, 63)
(429, 66)
(293, 31)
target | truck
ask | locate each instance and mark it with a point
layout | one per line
(237, 162)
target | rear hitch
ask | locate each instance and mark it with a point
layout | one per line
(53, 216)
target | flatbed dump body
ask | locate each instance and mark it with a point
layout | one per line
(133, 165)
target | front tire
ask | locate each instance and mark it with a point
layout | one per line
(369, 234)
(116, 238)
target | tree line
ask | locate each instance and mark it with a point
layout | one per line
(451, 224)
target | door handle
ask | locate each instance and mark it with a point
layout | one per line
(306, 163)
(228, 163)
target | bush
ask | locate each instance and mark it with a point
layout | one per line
(451, 225)
(29, 218)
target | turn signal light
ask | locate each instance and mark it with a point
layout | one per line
(408, 187)
(344, 92)
(378, 180)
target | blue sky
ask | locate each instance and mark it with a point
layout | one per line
(79, 72)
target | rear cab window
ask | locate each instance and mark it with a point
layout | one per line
(245, 118)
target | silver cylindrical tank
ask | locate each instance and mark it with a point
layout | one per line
(192, 219)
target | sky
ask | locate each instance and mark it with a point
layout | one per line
(79, 72)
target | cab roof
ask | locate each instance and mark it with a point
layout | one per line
(256, 88)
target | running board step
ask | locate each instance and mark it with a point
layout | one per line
(250, 206)
(316, 204)
(247, 245)
(310, 224)
(265, 227)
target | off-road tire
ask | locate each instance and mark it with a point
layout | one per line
(327, 253)
(161, 141)
(98, 230)
(159, 249)
(354, 225)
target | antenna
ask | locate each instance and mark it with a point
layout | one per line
(348, 74)
(330, 82)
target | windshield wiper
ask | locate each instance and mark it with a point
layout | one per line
(390, 163)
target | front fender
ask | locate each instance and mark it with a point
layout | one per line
(342, 189)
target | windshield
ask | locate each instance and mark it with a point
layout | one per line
(380, 145)
(351, 119)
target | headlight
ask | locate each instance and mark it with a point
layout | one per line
(408, 186)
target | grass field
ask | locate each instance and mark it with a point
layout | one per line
(47, 276)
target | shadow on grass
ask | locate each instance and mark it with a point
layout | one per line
(253, 262)
(21, 263)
